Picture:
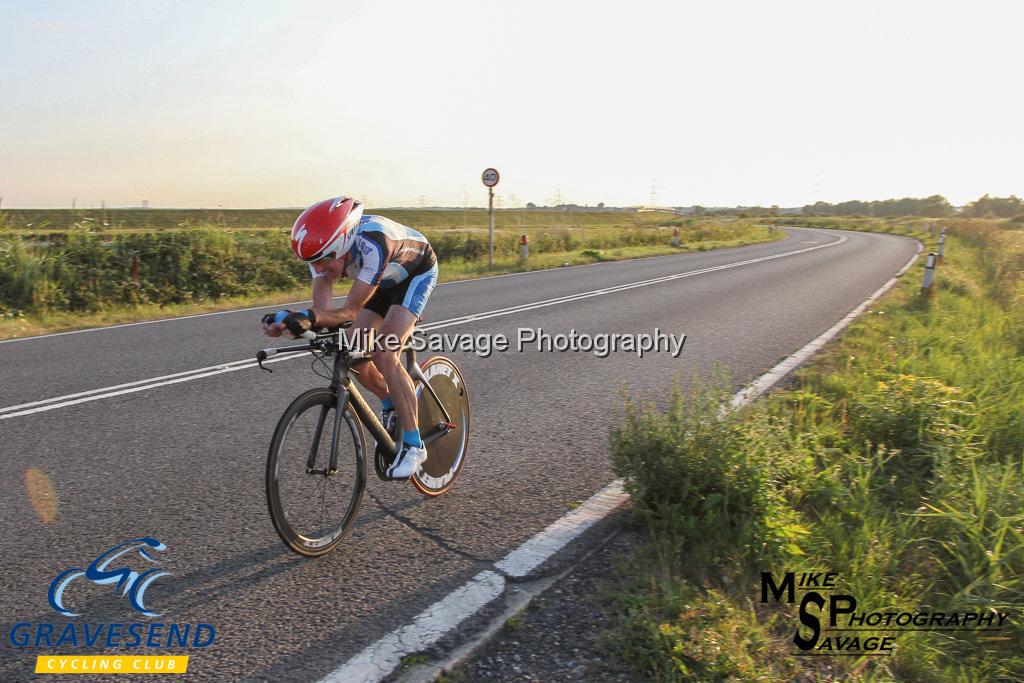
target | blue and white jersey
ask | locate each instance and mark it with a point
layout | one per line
(387, 253)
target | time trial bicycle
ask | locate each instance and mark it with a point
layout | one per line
(316, 465)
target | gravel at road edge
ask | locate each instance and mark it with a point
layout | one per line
(558, 637)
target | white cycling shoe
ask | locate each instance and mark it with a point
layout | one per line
(407, 462)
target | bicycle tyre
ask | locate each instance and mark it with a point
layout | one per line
(325, 400)
(447, 454)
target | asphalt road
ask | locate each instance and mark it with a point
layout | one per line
(184, 462)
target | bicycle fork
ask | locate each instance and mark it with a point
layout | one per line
(332, 462)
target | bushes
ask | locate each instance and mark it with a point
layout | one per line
(26, 279)
(718, 487)
(86, 271)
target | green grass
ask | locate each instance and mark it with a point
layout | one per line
(414, 659)
(895, 458)
(515, 622)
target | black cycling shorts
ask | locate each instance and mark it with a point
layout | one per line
(412, 293)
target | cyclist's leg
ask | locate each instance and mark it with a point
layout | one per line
(369, 376)
(399, 321)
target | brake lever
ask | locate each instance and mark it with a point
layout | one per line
(260, 357)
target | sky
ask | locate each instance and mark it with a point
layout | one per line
(273, 103)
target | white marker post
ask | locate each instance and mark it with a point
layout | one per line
(490, 178)
(929, 276)
(942, 245)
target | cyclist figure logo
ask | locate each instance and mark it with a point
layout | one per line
(129, 582)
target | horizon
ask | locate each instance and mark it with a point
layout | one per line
(609, 207)
(401, 104)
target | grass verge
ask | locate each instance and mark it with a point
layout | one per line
(896, 458)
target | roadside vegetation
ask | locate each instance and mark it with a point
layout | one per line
(39, 221)
(895, 458)
(87, 274)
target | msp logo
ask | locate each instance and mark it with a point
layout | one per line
(849, 631)
(130, 568)
(130, 582)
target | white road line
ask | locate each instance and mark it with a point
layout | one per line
(306, 301)
(148, 322)
(532, 554)
(232, 366)
(90, 392)
(379, 659)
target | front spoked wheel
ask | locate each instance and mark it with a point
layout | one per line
(446, 445)
(311, 507)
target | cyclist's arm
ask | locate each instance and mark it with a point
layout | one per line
(322, 287)
(354, 302)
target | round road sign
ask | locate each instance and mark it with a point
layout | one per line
(490, 177)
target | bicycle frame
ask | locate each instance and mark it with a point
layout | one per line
(346, 392)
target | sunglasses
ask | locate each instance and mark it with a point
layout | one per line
(330, 259)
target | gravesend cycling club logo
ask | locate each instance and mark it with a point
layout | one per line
(131, 583)
(847, 631)
(129, 568)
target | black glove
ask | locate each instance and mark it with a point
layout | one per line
(298, 322)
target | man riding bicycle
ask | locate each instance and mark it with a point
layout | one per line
(394, 270)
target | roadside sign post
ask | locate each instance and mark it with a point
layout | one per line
(490, 178)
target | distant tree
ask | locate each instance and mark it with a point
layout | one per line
(600, 205)
(1003, 207)
(531, 205)
(934, 206)
(936, 209)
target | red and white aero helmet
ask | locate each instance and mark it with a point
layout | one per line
(327, 229)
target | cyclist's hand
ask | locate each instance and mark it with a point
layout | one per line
(273, 323)
(298, 322)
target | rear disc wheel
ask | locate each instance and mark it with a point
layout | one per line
(446, 454)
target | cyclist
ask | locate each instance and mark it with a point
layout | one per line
(394, 270)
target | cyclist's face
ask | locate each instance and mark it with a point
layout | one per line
(332, 266)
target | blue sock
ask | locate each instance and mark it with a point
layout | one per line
(387, 403)
(412, 437)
